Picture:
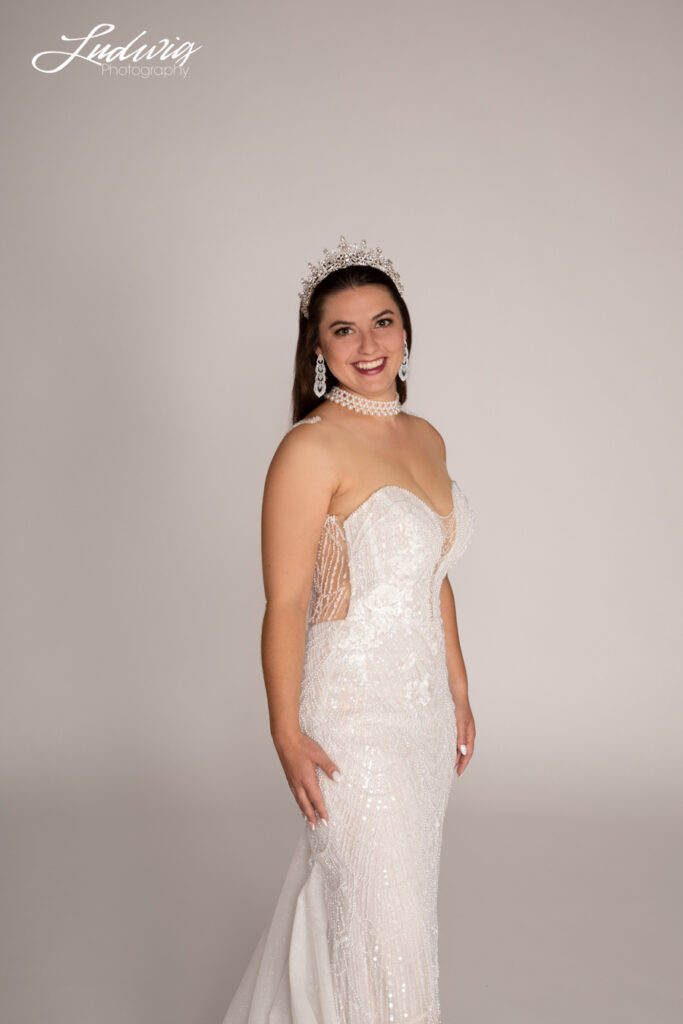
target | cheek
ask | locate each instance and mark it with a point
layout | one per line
(339, 348)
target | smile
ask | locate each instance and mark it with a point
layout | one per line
(372, 366)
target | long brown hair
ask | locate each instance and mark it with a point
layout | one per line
(303, 396)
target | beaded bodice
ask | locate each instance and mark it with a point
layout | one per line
(391, 552)
(393, 547)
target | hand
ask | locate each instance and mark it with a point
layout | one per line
(299, 754)
(466, 733)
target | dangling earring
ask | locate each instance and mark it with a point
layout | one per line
(320, 384)
(403, 368)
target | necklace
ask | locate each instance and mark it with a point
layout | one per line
(368, 406)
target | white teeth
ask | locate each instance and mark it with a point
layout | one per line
(369, 366)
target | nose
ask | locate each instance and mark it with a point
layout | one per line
(365, 342)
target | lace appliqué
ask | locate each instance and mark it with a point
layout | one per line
(309, 419)
(465, 519)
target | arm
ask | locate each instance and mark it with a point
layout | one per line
(457, 678)
(457, 673)
(297, 492)
(455, 663)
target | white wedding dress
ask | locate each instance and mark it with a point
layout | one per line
(353, 938)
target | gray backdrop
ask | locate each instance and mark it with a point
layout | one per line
(520, 162)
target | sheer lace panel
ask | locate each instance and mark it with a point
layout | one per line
(448, 526)
(448, 529)
(331, 587)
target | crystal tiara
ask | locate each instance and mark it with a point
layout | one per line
(345, 255)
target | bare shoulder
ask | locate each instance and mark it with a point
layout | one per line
(308, 438)
(427, 432)
(303, 469)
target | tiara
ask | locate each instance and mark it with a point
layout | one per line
(345, 255)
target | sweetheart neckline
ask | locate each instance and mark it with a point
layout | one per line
(393, 487)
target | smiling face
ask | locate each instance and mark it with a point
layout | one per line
(361, 338)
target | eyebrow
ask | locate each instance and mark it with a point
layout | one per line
(344, 322)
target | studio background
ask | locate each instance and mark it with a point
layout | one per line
(521, 165)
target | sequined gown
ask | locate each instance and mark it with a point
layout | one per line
(353, 938)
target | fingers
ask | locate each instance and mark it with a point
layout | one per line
(303, 781)
(462, 762)
(314, 798)
(465, 748)
(311, 802)
(330, 768)
(310, 798)
(307, 807)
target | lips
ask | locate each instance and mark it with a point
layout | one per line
(369, 367)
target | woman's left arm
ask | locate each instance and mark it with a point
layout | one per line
(457, 678)
(455, 663)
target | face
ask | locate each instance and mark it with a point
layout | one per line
(362, 326)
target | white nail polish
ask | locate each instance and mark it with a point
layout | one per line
(336, 776)
(323, 821)
(463, 749)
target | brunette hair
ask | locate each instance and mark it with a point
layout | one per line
(304, 397)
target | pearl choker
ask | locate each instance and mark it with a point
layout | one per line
(368, 406)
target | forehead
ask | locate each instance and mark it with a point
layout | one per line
(365, 301)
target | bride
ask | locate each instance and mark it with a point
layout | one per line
(365, 678)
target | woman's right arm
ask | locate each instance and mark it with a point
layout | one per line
(299, 484)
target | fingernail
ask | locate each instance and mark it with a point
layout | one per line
(336, 775)
(323, 821)
(463, 749)
(312, 827)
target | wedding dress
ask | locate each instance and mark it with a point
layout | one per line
(353, 937)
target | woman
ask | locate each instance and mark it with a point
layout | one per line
(366, 683)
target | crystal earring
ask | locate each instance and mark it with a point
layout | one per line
(403, 368)
(320, 384)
